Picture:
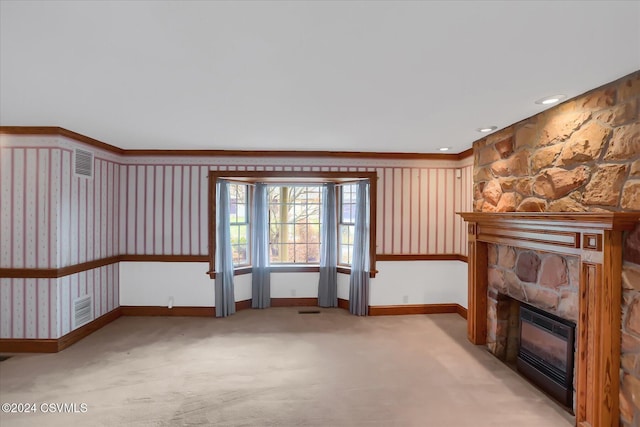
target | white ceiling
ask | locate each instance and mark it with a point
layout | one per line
(349, 76)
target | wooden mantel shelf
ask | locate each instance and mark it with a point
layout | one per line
(604, 220)
(596, 240)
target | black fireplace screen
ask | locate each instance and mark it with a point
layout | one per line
(546, 352)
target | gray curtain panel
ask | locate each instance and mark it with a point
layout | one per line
(261, 275)
(328, 285)
(359, 280)
(225, 300)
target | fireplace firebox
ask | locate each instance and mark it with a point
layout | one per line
(546, 352)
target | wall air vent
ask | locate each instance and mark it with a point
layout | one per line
(83, 163)
(82, 311)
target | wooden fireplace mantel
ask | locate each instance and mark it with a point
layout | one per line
(596, 239)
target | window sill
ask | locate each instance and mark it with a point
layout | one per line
(290, 269)
(239, 271)
(274, 269)
(344, 269)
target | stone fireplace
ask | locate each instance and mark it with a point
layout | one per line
(547, 281)
(580, 156)
(566, 264)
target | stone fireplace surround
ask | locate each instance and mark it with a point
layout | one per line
(544, 280)
(595, 240)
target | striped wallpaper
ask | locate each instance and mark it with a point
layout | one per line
(163, 209)
(29, 199)
(50, 218)
(164, 206)
(42, 308)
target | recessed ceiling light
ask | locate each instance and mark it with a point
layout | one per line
(444, 149)
(486, 129)
(548, 100)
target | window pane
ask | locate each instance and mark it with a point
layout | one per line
(344, 254)
(275, 252)
(300, 213)
(345, 244)
(347, 215)
(348, 203)
(239, 228)
(314, 233)
(300, 231)
(299, 253)
(344, 234)
(314, 253)
(294, 216)
(347, 210)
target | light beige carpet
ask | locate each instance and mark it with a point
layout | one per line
(276, 367)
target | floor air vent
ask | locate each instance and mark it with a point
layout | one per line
(82, 311)
(308, 311)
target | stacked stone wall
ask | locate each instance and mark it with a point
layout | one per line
(581, 156)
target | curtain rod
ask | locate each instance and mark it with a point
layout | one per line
(293, 183)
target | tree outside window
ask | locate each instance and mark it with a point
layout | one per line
(294, 222)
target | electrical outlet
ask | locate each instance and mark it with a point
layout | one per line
(405, 299)
(293, 292)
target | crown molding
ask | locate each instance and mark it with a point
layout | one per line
(58, 131)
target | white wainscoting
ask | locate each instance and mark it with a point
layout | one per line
(294, 285)
(397, 283)
(419, 282)
(153, 283)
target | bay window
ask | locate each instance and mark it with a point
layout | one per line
(294, 204)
